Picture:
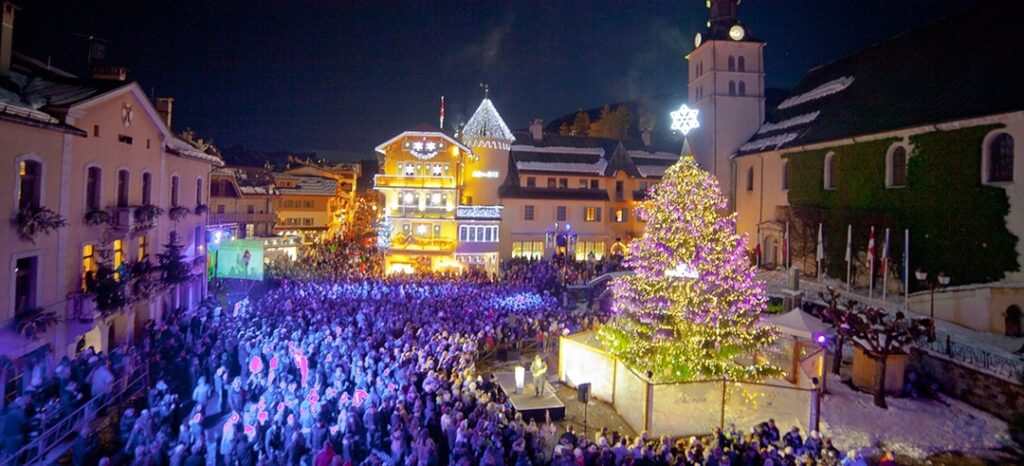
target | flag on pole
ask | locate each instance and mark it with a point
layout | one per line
(906, 269)
(442, 112)
(885, 263)
(849, 254)
(871, 262)
(785, 247)
(820, 253)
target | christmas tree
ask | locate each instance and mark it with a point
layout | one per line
(692, 308)
(173, 268)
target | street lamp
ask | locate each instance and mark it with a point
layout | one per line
(941, 281)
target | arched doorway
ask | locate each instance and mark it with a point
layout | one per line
(1013, 324)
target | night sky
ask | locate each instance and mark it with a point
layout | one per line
(345, 76)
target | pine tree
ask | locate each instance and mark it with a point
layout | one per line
(612, 125)
(692, 309)
(173, 268)
(580, 124)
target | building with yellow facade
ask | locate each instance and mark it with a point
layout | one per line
(431, 200)
(315, 199)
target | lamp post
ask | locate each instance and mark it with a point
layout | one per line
(941, 281)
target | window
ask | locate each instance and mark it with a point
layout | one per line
(528, 249)
(93, 188)
(741, 63)
(143, 247)
(251, 209)
(743, 88)
(551, 183)
(220, 208)
(585, 248)
(732, 63)
(563, 183)
(25, 283)
(595, 184)
(620, 215)
(89, 264)
(147, 189)
(732, 87)
(560, 213)
(174, 190)
(897, 168)
(583, 183)
(436, 170)
(30, 193)
(619, 187)
(409, 169)
(95, 131)
(591, 214)
(1000, 158)
(122, 188)
(750, 179)
(474, 233)
(830, 170)
(531, 182)
(199, 191)
(785, 174)
(528, 212)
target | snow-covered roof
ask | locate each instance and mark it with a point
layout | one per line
(486, 123)
(184, 149)
(799, 324)
(596, 168)
(310, 186)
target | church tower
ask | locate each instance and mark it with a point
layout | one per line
(726, 83)
(490, 139)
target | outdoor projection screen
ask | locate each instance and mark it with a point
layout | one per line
(240, 258)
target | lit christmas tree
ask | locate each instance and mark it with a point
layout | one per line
(692, 309)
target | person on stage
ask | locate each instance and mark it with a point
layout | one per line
(539, 369)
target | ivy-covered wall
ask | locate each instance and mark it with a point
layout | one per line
(957, 225)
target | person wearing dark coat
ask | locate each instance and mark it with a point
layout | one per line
(82, 448)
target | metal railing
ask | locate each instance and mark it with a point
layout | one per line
(36, 449)
(1003, 366)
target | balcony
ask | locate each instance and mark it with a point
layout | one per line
(240, 218)
(400, 181)
(479, 212)
(402, 242)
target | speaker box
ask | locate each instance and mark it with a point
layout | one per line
(583, 392)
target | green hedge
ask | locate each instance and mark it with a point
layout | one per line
(956, 224)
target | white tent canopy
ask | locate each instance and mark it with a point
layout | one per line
(799, 324)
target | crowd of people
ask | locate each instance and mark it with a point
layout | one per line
(342, 368)
(333, 258)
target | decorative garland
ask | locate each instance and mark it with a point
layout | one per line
(96, 217)
(201, 210)
(147, 213)
(34, 220)
(178, 212)
(34, 322)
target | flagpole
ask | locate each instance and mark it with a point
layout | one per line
(820, 252)
(906, 270)
(885, 266)
(849, 245)
(442, 112)
(789, 263)
(871, 264)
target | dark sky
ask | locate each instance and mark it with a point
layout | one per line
(345, 76)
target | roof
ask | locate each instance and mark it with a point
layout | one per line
(576, 155)
(250, 181)
(422, 130)
(909, 81)
(309, 186)
(510, 191)
(486, 123)
(799, 324)
(183, 148)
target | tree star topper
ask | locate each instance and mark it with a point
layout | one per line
(684, 119)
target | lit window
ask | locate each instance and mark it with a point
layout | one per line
(143, 247)
(435, 199)
(30, 173)
(590, 214)
(88, 264)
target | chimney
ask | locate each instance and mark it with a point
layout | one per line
(165, 106)
(112, 73)
(7, 38)
(645, 135)
(537, 129)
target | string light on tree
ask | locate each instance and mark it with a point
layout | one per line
(685, 120)
(692, 311)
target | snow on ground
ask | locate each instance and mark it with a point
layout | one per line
(916, 428)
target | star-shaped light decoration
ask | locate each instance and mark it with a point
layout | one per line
(684, 119)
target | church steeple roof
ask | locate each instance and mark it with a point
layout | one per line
(486, 123)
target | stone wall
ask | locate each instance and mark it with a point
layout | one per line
(996, 395)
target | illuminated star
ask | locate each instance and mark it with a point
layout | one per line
(684, 119)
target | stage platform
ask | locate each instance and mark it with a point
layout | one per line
(532, 407)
